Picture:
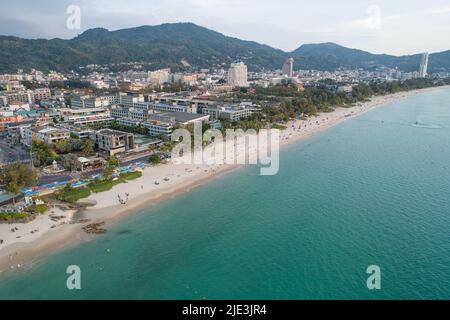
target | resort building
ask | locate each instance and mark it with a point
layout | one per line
(88, 102)
(129, 99)
(189, 104)
(52, 134)
(137, 114)
(89, 116)
(231, 112)
(163, 123)
(181, 118)
(80, 132)
(20, 96)
(48, 134)
(170, 107)
(155, 128)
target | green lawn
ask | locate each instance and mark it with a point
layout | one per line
(131, 175)
(102, 186)
(13, 216)
(40, 208)
(74, 195)
(45, 199)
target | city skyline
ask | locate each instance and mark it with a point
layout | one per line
(380, 27)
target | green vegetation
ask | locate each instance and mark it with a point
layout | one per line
(104, 185)
(43, 154)
(74, 135)
(255, 122)
(131, 175)
(168, 146)
(12, 217)
(166, 45)
(174, 87)
(111, 165)
(107, 184)
(154, 159)
(113, 162)
(72, 195)
(39, 209)
(99, 125)
(331, 56)
(65, 146)
(70, 84)
(44, 199)
(87, 147)
(133, 129)
(293, 104)
(16, 176)
(69, 161)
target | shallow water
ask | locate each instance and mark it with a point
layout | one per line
(373, 190)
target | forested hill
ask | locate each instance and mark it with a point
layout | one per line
(186, 44)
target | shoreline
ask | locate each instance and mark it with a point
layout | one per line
(143, 192)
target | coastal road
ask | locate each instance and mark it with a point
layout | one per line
(143, 158)
(54, 178)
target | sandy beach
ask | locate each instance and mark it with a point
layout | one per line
(30, 242)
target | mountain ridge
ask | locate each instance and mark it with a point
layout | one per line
(167, 44)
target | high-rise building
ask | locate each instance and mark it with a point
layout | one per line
(159, 77)
(288, 67)
(237, 74)
(423, 72)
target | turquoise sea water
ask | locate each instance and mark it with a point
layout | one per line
(374, 190)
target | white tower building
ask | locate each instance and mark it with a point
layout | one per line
(423, 72)
(288, 67)
(237, 74)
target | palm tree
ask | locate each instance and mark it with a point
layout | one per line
(87, 147)
(16, 176)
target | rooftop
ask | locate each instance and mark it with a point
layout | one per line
(111, 132)
(179, 116)
(50, 129)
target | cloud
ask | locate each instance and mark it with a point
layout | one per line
(375, 19)
(389, 26)
(439, 10)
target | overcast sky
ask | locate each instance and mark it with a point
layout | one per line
(380, 26)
